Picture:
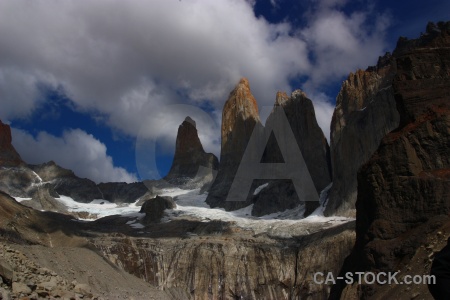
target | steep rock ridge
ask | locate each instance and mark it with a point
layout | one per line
(403, 190)
(191, 166)
(281, 195)
(66, 183)
(45, 182)
(239, 119)
(8, 154)
(17, 179)
(365, 112)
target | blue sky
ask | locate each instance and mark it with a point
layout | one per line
(88, 83)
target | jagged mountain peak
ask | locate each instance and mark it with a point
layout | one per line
(190, 157)
(241, 107)
(281, 98)
(190, 121)
(298, 94)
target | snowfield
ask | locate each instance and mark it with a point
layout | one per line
(192, 204)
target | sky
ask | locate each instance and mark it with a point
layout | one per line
(92, 85)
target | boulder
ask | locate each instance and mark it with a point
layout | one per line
(6, 271)
(154, 208)
(20, 288)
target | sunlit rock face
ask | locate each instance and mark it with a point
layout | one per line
(241, 123)
(191, 165)
(403, 203)
(365, 112)
(240, 118)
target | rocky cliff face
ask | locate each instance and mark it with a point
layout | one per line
(233, 266)
(191, 166)
(281, 194)
(8, 155)
(310, 139)
(16, 178)
(365, 112)
(239, 119)
(65, 182)
(45, 182)
(403, 190)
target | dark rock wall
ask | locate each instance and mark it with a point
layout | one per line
(281, 194)
(191, 164)
(404, 189)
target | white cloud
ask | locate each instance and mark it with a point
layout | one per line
(342, 43)
(76, 150)
(125, 59)
(116, 56)
(19, 91)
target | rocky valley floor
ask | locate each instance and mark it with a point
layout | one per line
(191, 254)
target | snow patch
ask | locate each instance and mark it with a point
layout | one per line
(323, 200)
(286, 224)
(137, 226)
(259, 188)
(20, 199)
(98, 207)
(190, 203)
